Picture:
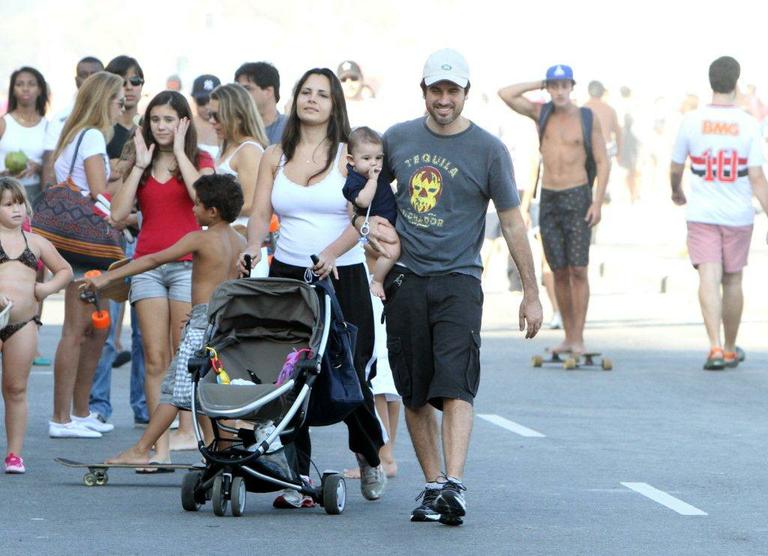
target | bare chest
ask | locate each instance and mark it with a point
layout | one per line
(563, 132)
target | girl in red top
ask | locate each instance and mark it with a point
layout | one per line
(166, 164)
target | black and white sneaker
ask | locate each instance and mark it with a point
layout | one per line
(426, 511)
(450, 503)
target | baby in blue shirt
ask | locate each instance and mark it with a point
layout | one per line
(365, 187)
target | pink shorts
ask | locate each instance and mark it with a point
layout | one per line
(712, 243)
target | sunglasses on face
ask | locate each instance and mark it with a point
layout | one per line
(135, 81)
(214, 115)
(121, 103)
(350, 78)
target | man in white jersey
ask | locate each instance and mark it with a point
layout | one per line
(725, 147)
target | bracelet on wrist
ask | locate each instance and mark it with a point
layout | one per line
(142, 168)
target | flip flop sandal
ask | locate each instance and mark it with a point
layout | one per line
(154, 470)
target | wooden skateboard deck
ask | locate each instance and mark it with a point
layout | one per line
(97, 474)
(570, 361)
(118, 290)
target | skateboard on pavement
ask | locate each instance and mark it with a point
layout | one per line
(97, 472)
(570, 361)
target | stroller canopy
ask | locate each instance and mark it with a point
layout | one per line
(277, 308)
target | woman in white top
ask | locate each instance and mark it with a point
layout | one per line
(301, 180)
(242, 138)
(98, 105)
(238, 125)
(23, 127)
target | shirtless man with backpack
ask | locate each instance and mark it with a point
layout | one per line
(573, 154)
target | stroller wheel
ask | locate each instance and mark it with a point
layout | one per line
(189, 484)
(238, 491)
(334, 494)
(219, 498)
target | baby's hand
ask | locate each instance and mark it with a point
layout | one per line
(374, 172)
(4, 302)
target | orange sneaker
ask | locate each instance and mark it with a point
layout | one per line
(715, 360)
(731, 359)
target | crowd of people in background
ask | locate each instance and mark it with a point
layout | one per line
(294, 165)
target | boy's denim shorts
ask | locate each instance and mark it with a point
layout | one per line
(172, 281)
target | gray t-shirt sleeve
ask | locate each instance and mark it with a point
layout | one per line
(502, 187)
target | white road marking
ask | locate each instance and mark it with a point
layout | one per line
(510, 425)
(664, 499)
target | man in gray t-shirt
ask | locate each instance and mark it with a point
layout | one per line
(447, 169)
(444, 185)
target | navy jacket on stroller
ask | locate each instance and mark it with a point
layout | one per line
(254, 325)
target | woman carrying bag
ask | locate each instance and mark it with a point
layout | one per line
(81, 160)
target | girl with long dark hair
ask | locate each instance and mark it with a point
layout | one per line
(301, 180)
(166, 163)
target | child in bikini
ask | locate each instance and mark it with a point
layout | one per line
(20, 293)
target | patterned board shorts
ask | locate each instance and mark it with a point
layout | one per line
(564, 233)
(177, 384)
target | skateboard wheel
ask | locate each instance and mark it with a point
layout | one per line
(606, 364)
(92, 274)
(89, 479)
(537, 360)
(100, 319)
(102, 479)
(569, 364)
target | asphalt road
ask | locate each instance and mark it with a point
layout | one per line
(654, 457)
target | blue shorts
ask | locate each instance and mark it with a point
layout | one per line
(172, 281)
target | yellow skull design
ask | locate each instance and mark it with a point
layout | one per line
(425, 188)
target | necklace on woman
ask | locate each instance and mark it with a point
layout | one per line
(24, 120)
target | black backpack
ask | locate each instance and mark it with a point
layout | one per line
(586, 132)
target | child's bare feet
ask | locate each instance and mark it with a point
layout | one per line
(131, 455)
(377, 289)
(353, 473)
(390, 468)
(182, 441)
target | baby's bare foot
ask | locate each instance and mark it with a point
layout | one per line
(377, 289)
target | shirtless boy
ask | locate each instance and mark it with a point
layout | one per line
(569, 206)
(218, 200)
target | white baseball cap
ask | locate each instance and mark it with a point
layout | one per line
(446, 65)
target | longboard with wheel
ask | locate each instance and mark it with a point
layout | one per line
(570, 361)
(97, 474)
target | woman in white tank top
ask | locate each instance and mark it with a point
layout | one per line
(23, 127)
(237, 123)
(301, 180)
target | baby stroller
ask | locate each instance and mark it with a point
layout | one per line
(254, 324)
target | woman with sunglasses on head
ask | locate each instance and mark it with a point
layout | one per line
(22, 129)
(166, 163)
(83, 141)
(301, 180)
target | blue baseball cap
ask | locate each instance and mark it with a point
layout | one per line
(560, 72)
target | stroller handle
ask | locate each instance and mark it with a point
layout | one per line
(247, 262)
